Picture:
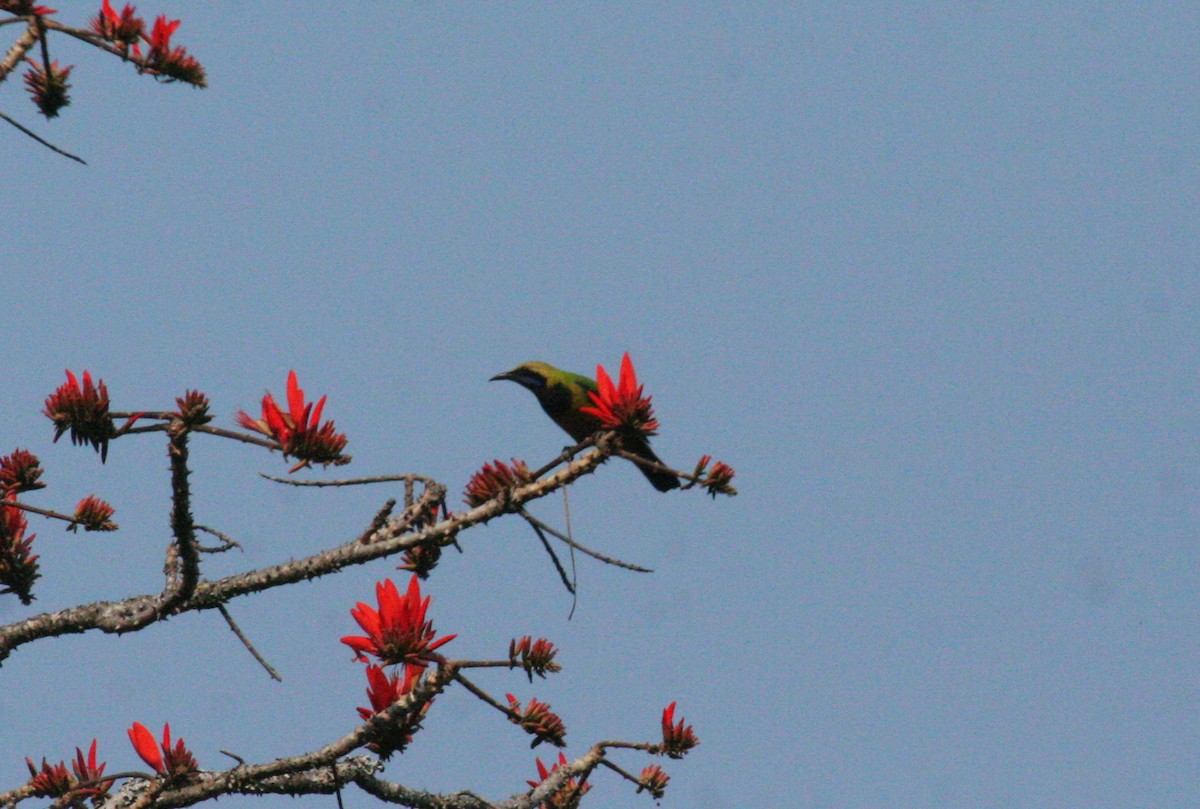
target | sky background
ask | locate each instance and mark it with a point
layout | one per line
(925, 274)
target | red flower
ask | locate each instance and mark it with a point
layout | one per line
(421, 559)
(160, 37)
(48, 90)
(86, 770)
(296, 430)
(538, 720)
(494, 478)
(18, 567)
(397, 632)
(125, 28)
(171, 761)
(25, 7)
(19, 472)
(193, 408)
(718, 480)
(536, 657)
(173, 63)
(677, 738)
(654, 780)
(82, 409)
(621, 405)
(55, 781)
(51, 781)
(94, 515)
(383, 692)
(568, 795)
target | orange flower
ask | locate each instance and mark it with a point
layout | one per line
(621, 405)
(397, 632)
(297, 430)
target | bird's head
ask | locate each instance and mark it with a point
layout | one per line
(534, 376)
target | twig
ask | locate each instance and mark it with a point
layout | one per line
(574, 569)
(43, 141)
(137, 612)
(562, 574)
(534, 521)
(483, 695)
(237, 630)
(229, 542)
(407, 478)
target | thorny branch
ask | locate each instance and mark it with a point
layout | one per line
(392, 537)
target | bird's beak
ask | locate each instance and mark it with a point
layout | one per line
(498, 377)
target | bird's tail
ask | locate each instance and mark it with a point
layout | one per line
(639, 446)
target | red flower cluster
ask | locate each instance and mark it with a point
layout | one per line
(18, 566)
(55, 781)
(677, 738)
(25, 7)
(126, 28)
(82, 409)
(621, 405)
(51, 781)
(719, 478)
(494, 478)
(397, 632)
(297, 430)
(193, 408)
(654, 780)
(94, 515)
(172, 762)
(569, 795)
(19, 472)
(48, 89)
(536, 657)
(174, 63)
(538, 720)
(421, 559)
(383, 692)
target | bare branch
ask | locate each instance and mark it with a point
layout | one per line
(138, 611)
(237, 630)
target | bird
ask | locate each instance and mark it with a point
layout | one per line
(562, 393)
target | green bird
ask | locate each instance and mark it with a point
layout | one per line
(562, 393)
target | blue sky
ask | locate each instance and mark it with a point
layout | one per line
(925, 274)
